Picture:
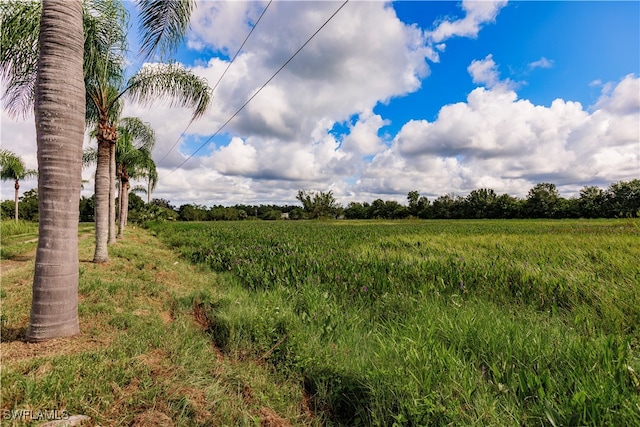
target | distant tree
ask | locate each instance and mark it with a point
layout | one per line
(357, 210)
(29, 210)
(447, 206)
(296, 213)
(163, 204)
(542, 201)
(87, 207)
(481, 203)
(623, 198)
(191, 212)
(395, 210)
(413, 197)
(507, 206)
(7, 208)
(271, 215)
(28, 206)
(152, 212)
(12, 168)
(378, 209)
(592, 202)
(318, 205)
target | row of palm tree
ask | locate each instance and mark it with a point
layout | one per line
(133, 160)
(66, 58)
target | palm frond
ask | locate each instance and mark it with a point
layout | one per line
(105, 27)
(163, 24)
(12, 167)
(172, 83)
(19, 29)
(141, 132)
(102, 101)
(138, 189)
(89, 156)
(152, 176)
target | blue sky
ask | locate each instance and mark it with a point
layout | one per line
(439, 97)
(585, 41)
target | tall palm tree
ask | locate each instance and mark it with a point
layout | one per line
(133, 159)
(59, 105)
(163, 23)
(12, 168)
(59, 94)
(152, 180)
(150, 83)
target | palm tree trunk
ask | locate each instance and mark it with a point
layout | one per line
(102, 197)
(15, 206)
(126, 205)
(123, 203)
(120, 217)
(112, 194)
(59, 115)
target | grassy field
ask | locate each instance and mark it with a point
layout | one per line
(144, 356)
(433, 322)
(338, 323)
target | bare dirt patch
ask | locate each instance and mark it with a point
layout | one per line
(19, 350)
(152, 418)
(268, 418)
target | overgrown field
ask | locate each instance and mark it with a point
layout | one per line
(433, 322)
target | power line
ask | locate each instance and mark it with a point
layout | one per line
(220, 79)
(259, 90)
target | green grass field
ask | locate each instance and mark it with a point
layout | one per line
(338, 323)
(433, 322)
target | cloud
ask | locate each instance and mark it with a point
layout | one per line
(623, 99)
(363, 139)
(284, 132)
(284, 141)
(541, 63)
(496, 138)
(477, 14)
(485, 72)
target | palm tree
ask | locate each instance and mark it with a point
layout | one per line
(59, 94)
(169, 81)
(59, 135)
(152, 180)
(12, 168)
(133, 160)
(163, 23)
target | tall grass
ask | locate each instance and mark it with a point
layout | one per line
(10, 227)
(434, 322)
(17, 237)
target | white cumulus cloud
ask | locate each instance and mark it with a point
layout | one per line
(477, 13)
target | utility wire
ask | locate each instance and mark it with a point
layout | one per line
(220, 79)
(259, 90)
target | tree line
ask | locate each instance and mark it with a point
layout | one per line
(621, 199)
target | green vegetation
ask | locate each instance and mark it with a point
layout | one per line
(17, 237)
(433, 322)
(144, 355)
